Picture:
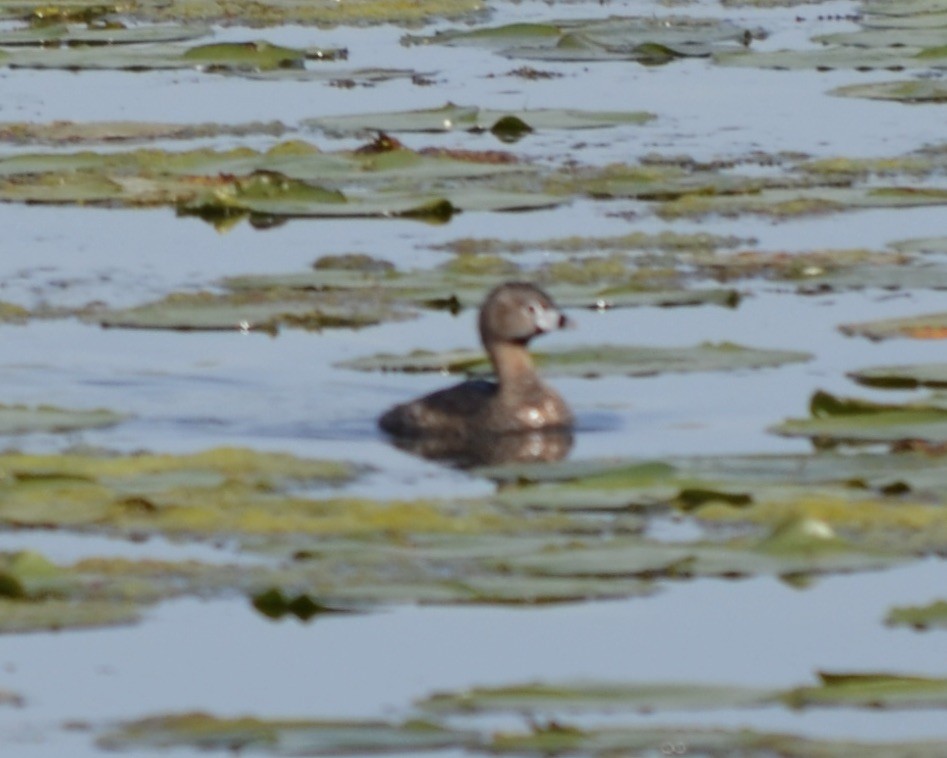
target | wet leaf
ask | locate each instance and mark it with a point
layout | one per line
(538, 697)
(927, 327)
(21, 419)
(888, 691)
(205, 732)
(469, 118)
(837, 57)
(19, 616)
(913, 91)
(557, 739)
(922, 617)
(463, 282)
(647, 40)
(251, 311)
(788, 203)
(111, 34)
(71, 132)
(903, 377)
(255, 56)
(592, 361)
(921, 245)
(792, 550)
(854, 420)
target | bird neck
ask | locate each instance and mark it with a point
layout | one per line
(513, 366)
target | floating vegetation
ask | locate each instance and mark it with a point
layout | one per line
(595, 282)
(322, 737)
(573, 697)
(291, 179)
(383, 179)
(266, 311)
(592, 361)
(913, 91)
(839, 420)
(666, 241)
(109, 132)
(265, 13)
(650, 41)
(452, 117)
(903, 377)
(204, 732)
(557, 532)
(21, 419)
(921, 618)
(927, 327)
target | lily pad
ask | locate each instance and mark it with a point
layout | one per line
(276, 737)
(300, 737)
(921, 245)
(903, 377)
(788, 203)
(913, 91)
(932, 616)
(71, 132)
(21, 419)
(255, 311)
(20, 616)
(927, 327)
(110, 34)
(792, 550)
(838, 57)
(592, 361)
(467, 118)
(290, 179)
(537, 697)
(651, 41)
(463, 282)
(877, 691)
(853, 420)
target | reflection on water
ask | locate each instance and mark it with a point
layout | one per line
(491, 449)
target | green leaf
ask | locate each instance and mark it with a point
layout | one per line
(913, 91)
(853, 420)
(903, 377)
(647, 40)
(198, 730)
(469, 118)
(250, 311)
(922, 617)
(538, 697)
(592, 361)
(21, 419)
(931, 326)
(881, 691)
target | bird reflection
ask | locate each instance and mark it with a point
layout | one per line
(491, 449)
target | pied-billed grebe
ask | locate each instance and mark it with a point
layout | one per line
(511, 315)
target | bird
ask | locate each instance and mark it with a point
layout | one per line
(512, 314)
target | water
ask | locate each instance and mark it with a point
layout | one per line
(189, 392)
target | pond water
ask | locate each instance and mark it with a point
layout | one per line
(187, 392)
